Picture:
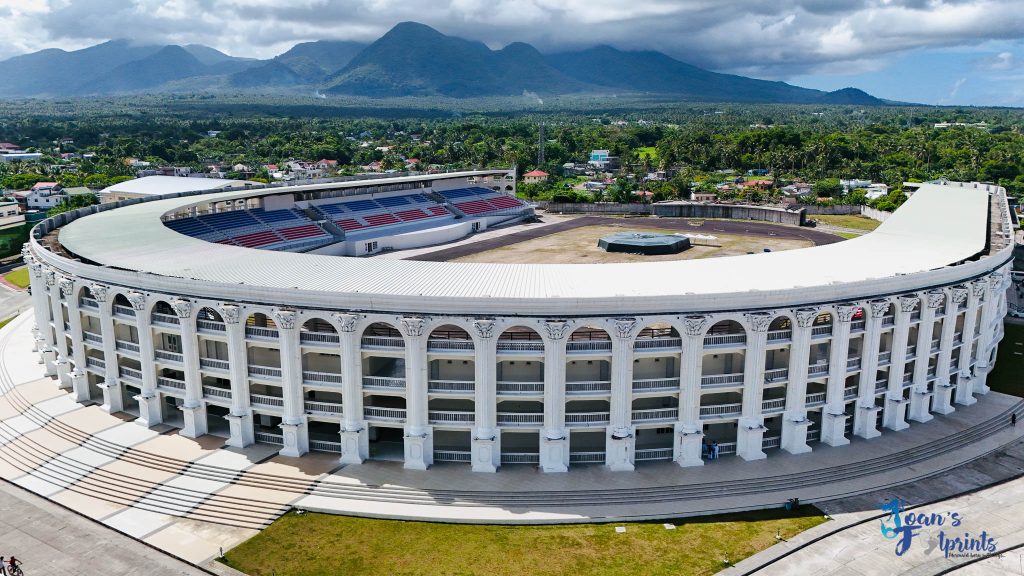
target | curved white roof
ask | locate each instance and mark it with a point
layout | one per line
(157, 185)
(937, 227)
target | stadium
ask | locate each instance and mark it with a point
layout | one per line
(266, 315)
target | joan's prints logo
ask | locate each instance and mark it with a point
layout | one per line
(940, 530)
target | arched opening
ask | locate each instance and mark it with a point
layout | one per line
(121, 307)
(321, 358)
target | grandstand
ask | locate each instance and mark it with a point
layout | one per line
(375, 213)
(478, 201)
(286, 230)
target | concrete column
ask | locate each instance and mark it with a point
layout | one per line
(193, 409)
(689, 432)
(921, 393)
(620, 442)
(40, 302)
(355, 440)
(59, 342)
(750, 428)
(895, 415)
(75, 321)
(294, 429)
(833, 415)
(240, 417)
(989, 312)
(865, 417)
(113, 400)
(943, 390)
(794, 421)
(554, 438)
(150, 413)
(486, 442)
(419, 439)
(965, 384)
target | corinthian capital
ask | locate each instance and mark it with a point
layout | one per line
(51, 277)
(879, 308)
(758, 321)
(934, 299)
(413, 326)
(960, 295)
(995, 281)
(556, 329)
(846, 312)
(908, 303)
(285, 319)
(624, 327)
(182, 307)
(694, 325)
(99, 292)
(67, 287)
(347, 322)
(230, 313)
(978, 288)
(805, 317)
(484, 328)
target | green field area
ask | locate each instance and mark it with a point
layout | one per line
(852, 222)
(649, 152)
(1008, 375)
(848, 235)
(11, 239)
(18, 277)
(323, 544)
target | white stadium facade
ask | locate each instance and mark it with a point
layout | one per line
(246, 313)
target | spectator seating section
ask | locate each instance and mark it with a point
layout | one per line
(374, 213)
(288, 229)
(479, 201)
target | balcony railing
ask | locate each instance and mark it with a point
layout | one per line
(779, 335)
(126, 311)
(520, 419)
(165, 319)
(325, 446)
(586, 457)
(507, 387)
(588, 346)
(214, 364)
(825, 330)
(210, 326)
(451, 386)
(724, 339)
(520, 345)
(330, 408)
(719, 410)
(383, 342)
(383, 383)
(130, 373)
(888, 320)
(849, 393)
(776, 405)
(261, 332)
(88, 303)
(453, 456)
(881, 385)
(92, 337)
(884, 357)
(450, 417)
(172, 383)
(319, 338)
(95, 362)
(264, 372)
(815, 399)
(655, 414)
(520, 458)
(310, 376)
(168, 356)
(266, 400)
(442, 345)
(771, 442)
(587, 417)
(648, 454)
(656, 344)
(390, 414)
(935, 345)
(776, 375)
(817, 369)
(215, 392)
(721, 380)
(852, 364)
(123, 346)
(655, 384)
(269, 438)
(594, 386)
(857, 326)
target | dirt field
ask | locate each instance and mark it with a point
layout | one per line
(579, 246)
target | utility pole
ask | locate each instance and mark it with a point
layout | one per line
(540, 146)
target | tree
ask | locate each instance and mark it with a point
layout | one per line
(73, 203)
(827, 188)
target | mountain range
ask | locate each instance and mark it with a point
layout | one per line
(411, 59)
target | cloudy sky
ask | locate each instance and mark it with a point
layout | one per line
(932, 51)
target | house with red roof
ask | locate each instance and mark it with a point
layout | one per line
(535, 176)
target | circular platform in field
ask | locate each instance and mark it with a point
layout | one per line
(648, 243)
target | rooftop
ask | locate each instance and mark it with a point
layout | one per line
(157, 185)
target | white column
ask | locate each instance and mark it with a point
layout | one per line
(554, 438)
(989, 311)
(239, 418)
(794, 421)
(294, 428)
(193, 409)
(921, 394)
(112, 396)
(865, 418)
(486, 442)
(40, 303)
(150, 413)
(689, 431)
(620, 442)
(943, 400)
(895, 415)
(68, 293)
(355, 439)
(965, 381)
(750, 428)
(833, 415)
(60, 342)
(419, 439)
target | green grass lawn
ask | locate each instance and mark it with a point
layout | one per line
(1008, 375)
(18, 277)
(848, 235)
(650, 151)
(852, 222)
(321, 544)
(7, 321)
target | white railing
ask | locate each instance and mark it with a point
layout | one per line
(210, 326)
(657, 343)
(816, 369)
(310, 337)
(264, 371)
(170, 383)
(442, 386)
(506, 387)
(646, 454)
(853, 364)
(215, 392)
(815, 399)
(588, 346)
(721, 380)
(261, 332)
(771, 442)
(935, 345)
(382, 342)
(92, 337)
(450, 417)
(813, 435)
(435, 345)
(721, 410)
(723, 339)
(269, 438)
(726, 448)
(655, 414)
(825, 330)
(587, 417)
(453, 456)
(165, 319)
(520, 418)
(325, 446)
(591, 386)
(214, 364)
(773, 405)
(776, 374)
(653, 384)
(849, 392)
(856, 326)
(323, 407)
(911, 351)
(521, 345)
(916, 315)
(888, 320)
(881, 385)
(520, 458)
(777, 335)
(168, 356)
(383, 383)
(121, 310)
(586, 457)
(88, 303)
(884, 357)
(130, 373)
(124, 346)
(266, 400)
(376, 413)
(321, 377)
